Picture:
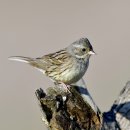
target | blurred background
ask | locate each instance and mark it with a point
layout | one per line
(37, 27)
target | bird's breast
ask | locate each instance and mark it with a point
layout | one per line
(74, 73)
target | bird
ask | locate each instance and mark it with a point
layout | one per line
(65, 66)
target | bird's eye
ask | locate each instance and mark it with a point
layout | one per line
(83, 49)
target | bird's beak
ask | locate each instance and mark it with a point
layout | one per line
(91, 53)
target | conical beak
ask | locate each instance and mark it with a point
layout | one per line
(91, 53)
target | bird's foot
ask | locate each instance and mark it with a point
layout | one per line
(65, 87)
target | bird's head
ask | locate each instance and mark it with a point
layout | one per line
(81, 49)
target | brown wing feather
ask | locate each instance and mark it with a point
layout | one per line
(55, 63)
(57, 58)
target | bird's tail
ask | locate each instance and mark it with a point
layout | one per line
(22, 59)
(32, 61)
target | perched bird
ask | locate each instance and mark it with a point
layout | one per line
(66, 66)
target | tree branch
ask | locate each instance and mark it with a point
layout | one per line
(76, 110)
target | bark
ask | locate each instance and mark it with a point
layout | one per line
(76, 110)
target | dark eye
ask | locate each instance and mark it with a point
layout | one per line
(83, 49)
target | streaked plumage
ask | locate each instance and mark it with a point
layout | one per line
(65, 66)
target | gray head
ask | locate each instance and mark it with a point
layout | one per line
(81, 49)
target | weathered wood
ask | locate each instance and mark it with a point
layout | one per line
(118, 118)
(71, 111)
(67, 110)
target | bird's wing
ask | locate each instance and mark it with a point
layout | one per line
(57, 58)
(47, 63)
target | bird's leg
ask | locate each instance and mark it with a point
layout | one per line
(65, 86)
(62, 86)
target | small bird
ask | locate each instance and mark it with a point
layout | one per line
(66, 66)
